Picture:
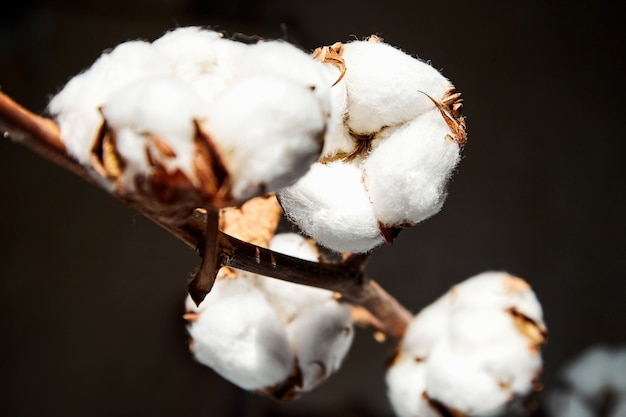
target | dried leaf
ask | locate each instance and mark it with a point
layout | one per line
(254, 222)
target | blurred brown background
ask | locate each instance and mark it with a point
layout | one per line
(91, 293)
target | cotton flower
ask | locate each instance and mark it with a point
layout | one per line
(472, 350)
(267, 335)
(254, 121)
(397, 130)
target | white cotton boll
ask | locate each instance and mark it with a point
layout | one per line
(407, 173)
(239, 335)
(283, 60)
(384, 86)
(268, 131)
(427, 329)
(289, 298)
(75, 107)
(320, 337)
(462, 385)
(156, 107)
(330, 204)
(406, 384)
(202, 58)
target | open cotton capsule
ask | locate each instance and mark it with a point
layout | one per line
(470, 356)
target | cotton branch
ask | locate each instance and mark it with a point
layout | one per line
(347, 278)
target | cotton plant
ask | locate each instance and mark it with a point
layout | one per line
(218, 140)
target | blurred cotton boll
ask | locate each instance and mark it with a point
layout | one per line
(470, 353)
(593, 383)
(261, 122)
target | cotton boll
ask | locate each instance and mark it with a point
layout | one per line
(406, 385)
(239, 335)
(406, 175)
(330, 204)
(461, 385)
(268, 131)
(321, 336)
(384, 86)
(75, 107)
(155, 109)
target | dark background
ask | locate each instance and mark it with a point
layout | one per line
(91, 293)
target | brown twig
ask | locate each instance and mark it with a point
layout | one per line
(347, 278)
